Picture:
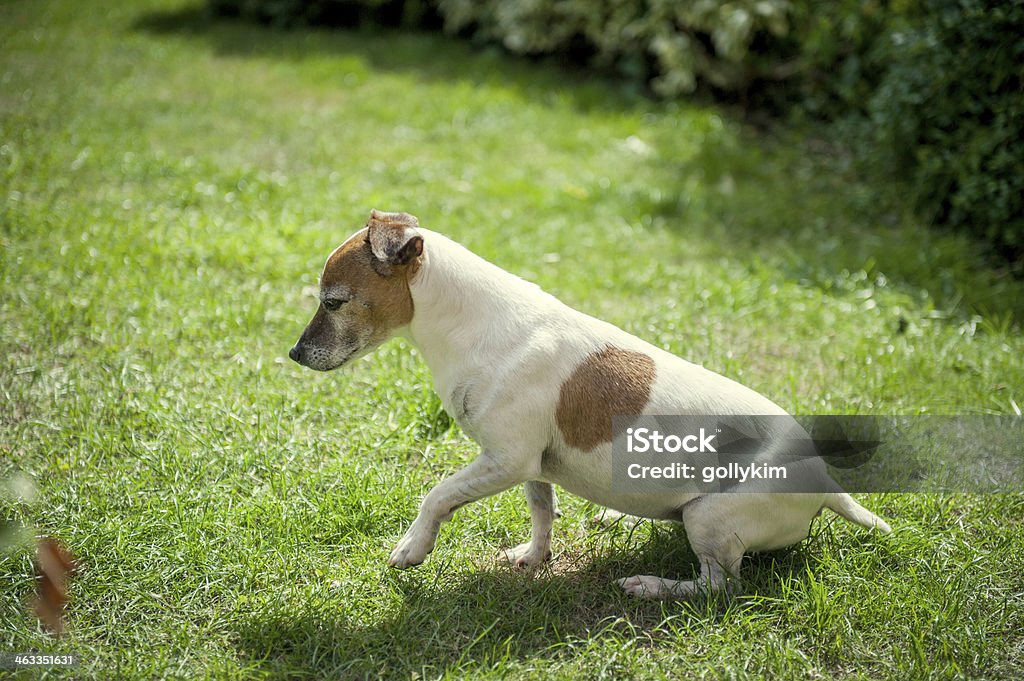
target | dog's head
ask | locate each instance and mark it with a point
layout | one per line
(364, 292)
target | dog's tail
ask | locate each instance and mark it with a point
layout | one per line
(843, 504)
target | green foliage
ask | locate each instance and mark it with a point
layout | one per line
(932, 92)
(833, 63)
(676, 44)
(949, 114)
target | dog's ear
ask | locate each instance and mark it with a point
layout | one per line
(393, 237)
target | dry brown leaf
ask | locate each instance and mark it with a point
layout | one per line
(53, 565)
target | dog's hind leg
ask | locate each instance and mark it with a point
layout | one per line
(711, 528)
(721, 528)
(540, 496)
(720, 559)
(718, 547)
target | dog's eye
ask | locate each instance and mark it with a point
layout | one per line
(332, 303)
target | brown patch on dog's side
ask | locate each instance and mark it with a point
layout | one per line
(609, 382)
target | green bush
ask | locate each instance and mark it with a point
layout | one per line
(672, 45)
(948, 114)
(832, 52)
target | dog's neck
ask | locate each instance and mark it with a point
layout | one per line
(465, 308)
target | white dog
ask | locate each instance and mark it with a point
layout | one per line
(536, 384)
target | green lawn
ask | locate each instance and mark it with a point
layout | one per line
(170, 188)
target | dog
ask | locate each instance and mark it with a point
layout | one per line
(536, 383)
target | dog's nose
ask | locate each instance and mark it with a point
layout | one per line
(295, 354)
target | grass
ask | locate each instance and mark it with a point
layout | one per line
(171, 187)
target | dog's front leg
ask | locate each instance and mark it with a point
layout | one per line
(481, 478)
(540, 497)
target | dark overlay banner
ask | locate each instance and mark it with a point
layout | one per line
(819, 453)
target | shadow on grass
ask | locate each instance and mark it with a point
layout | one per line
(788, 198)
(495, 616)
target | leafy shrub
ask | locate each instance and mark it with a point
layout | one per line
(949, 115)
(674, 44)
(832, 52)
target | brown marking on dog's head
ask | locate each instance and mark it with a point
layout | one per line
(364, 292)
(609, 382)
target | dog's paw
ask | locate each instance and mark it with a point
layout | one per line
(648, 586)
(410, 551)
(525, 556)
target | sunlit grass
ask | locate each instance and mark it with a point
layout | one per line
(170, 186)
